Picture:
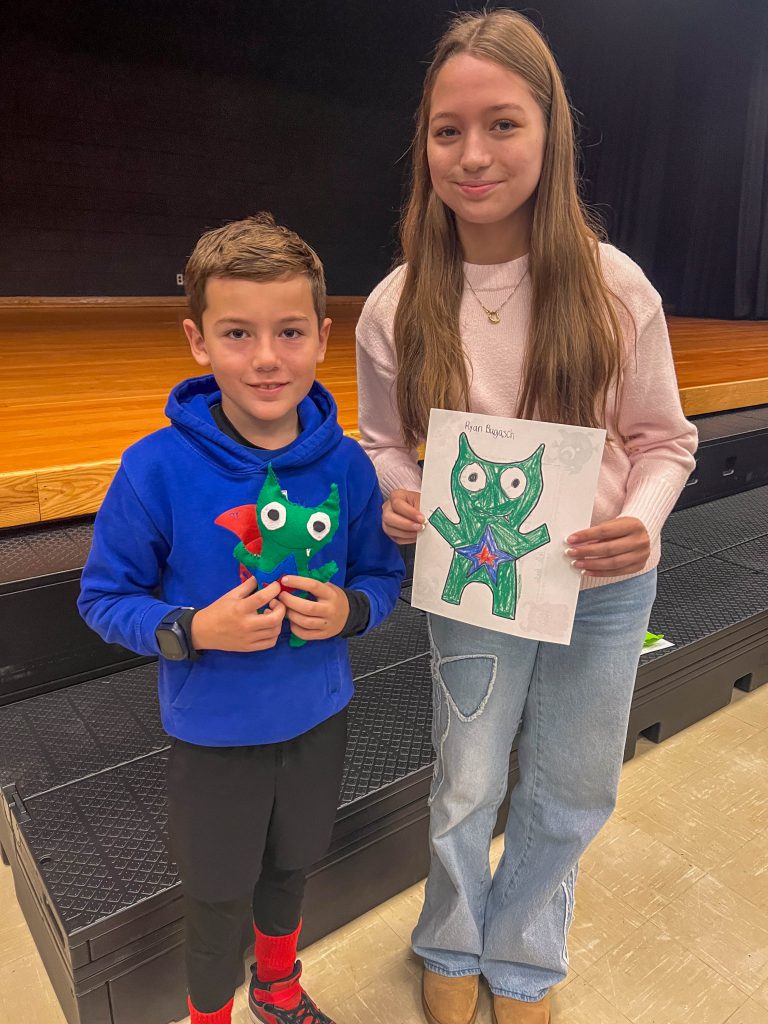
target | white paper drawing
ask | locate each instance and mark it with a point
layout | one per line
(500, 496)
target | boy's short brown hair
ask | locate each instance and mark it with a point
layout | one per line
(256, 248)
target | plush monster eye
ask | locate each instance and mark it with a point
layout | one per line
(473, 478)
(273, 515)
(319, 525)
(513, 482)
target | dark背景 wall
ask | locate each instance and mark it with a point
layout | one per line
(126, 130)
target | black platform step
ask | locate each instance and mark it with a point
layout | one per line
(731, 456)
(83, 814)
(84, 824)
(45, 643)
(715, 527)
(58, 738)
(401, 637)
(716, 614)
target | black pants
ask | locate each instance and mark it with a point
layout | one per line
(214, 933)
(245, 823)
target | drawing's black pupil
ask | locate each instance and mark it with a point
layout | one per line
(318, 527)
(273, 514)
(472, 477)
(515, 483)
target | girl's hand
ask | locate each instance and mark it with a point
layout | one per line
(401, 517)
(616, 548)
(320, 619)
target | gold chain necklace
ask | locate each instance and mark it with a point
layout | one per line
(493, 314)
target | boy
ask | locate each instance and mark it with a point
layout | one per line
(243, 544)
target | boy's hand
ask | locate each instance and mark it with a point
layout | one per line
(401, 517)
(234, 622)
(320, 619)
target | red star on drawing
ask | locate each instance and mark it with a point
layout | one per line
(486, 557)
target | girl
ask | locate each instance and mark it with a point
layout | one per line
(507, 304)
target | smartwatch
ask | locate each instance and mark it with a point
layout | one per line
(174, 635)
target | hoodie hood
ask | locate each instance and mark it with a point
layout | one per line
(189, 410)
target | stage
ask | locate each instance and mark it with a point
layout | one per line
(84, 378)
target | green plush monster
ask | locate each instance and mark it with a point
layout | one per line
(493, 500)
(276, 529)
(288, 529)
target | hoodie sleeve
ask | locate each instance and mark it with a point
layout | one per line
(374, 565)
(123, 571)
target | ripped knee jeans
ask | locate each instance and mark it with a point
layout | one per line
(569, 707)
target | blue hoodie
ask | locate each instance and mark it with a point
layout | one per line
(156, 547)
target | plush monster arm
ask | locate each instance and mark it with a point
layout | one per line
(324, 573)
(249, 559)
(452, 532)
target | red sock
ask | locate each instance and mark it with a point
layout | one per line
(222, 1016)
(275, 954)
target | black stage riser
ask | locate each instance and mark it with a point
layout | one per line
(732, 456)
(45, 643)
(145, 955)
(83, 810)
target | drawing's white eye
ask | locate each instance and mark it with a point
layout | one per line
(473, 478)
(513, 482)
(273, 515)
(319, 525)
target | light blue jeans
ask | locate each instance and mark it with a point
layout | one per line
(574, 705)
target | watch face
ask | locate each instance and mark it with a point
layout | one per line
(170, 642)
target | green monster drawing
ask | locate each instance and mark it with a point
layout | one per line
(493, 500)
(275, 529)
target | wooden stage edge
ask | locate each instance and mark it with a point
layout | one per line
(84, 342)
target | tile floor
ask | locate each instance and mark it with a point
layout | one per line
(671, 921)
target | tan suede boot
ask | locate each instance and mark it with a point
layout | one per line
(449, 1000)
(513, 1011)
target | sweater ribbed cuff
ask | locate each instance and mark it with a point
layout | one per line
(651, 499)
(405, 476)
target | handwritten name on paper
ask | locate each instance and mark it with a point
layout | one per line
(477, 428)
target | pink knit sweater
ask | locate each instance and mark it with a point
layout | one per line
(645, 467)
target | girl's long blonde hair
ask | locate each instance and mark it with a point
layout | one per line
(574, 349)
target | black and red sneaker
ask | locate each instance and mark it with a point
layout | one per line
(283, 1002)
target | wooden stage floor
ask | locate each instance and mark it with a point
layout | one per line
(82, 380)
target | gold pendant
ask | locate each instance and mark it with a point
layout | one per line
(493, 316)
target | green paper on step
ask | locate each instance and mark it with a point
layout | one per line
(652, 638)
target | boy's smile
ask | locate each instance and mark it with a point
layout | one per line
(263, 343)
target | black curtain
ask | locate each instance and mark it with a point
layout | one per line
(751, 285)
(674, 102)
(126, 129)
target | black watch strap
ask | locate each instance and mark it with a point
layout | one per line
(185, 624)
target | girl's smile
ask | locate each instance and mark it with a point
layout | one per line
(485, 151)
